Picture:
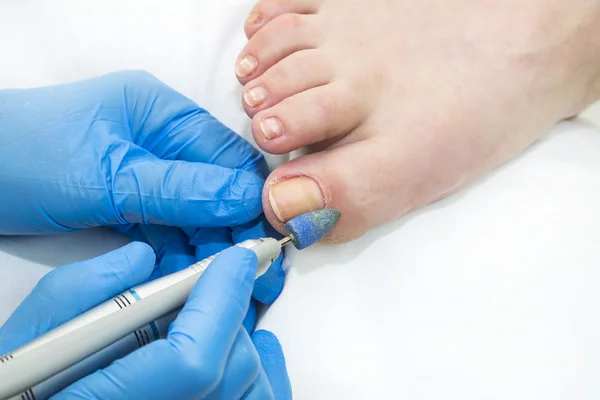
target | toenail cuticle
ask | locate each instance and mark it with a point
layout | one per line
(246, 66)
(255, 96)
(255, 17)
(271, 128)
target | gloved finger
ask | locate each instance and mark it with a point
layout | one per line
(134, 233)
(251, 316)
(148, 190)
(173, 127)
(173, 253)
(243, 367)
(269, 285)
(191, 361)
(225, 285)
(260, 389)
(273, 362)
(210, 241)
(70, 290)
(169, 244)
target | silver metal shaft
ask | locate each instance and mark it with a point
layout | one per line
(286, 240)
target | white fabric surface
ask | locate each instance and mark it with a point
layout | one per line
(491, 294)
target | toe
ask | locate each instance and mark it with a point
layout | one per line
(315, 115)
(347, 178)
(266, 10)
(283, 36)
(294, 74)
(371, 181)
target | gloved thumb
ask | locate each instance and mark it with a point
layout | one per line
(273, 362)
(149, 190)
(268, 286)
(68, 291)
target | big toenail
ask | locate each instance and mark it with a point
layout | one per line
(292, 197)
(254, 18)
(246, 66)
(255, 96)
(271, 127)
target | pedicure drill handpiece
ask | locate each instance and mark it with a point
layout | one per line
(103, 334)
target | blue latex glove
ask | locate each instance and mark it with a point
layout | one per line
(207, 353)
(268, 287)
(175, 251)
(120, 149)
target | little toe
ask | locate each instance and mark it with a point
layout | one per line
(327, 112)
(283, 36)
(266, 10)
(294, 74)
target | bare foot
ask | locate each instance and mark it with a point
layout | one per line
(405, 102)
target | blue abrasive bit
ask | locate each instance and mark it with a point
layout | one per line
(307, 229)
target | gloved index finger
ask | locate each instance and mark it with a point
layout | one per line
(199, 137)
(149, 190)
(213, 314)
(269, 285)
(173, 127)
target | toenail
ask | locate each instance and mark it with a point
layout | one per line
(255, 17)
(292, 197)
(246, 66)
(255, 96)
(271, 127)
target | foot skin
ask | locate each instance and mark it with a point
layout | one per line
(402, 103)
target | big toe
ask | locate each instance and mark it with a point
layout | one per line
(368, 190)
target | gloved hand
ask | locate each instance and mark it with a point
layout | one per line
(120, 149)
(268, 286)
(207, 353)
(123, 149)
(175, 250)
